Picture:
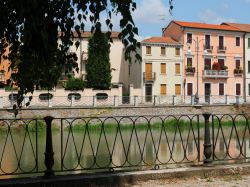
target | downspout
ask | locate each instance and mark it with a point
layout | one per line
(244, 67)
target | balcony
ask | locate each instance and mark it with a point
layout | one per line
(215, 74)
(238, 72)
(149, 76)
(190, 71)
(208, 48)
(221, 49)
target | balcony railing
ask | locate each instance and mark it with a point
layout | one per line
(2, 79)
(215, 73)
(221, 49)
(208, 48)
(149, 76)
(190, 70)
(238, 72)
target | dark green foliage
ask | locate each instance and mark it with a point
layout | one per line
(29, 29)
(98, 65)
(75, 84)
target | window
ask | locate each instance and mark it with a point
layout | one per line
(248, 63)
(163, 50)
(189, 88)
(237, 89)
(221, 88)
(189, 62)
(101, 96)
(248, 89)
(248, 42)
(177, 89)
(207, 65)
(45, 96)
(207, 41)
(237, 41)
(177, 51)
(76, 96)
(13, 97)
(189, 38)
(237, 64)
(221, 42)
(148, 50)
(163, 68)
(221, 62)
(163, 89)
(177, 69)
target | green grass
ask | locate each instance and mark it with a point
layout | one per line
(169, 125)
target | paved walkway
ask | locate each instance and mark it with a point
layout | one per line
(236, 180)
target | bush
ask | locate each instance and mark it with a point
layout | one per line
(75, 84)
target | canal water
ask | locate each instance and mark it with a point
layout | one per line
(82, 148)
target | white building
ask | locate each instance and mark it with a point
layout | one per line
(160, 72)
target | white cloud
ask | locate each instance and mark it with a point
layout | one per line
(151, 12)
(225, 6)
(209, 16)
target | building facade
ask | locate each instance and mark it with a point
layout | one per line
(246, 46)
(160, 69)
(118, 65)
(213, 59)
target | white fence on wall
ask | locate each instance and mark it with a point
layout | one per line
(119, 101)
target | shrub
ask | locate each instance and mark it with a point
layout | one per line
(98, 66)
(75, 84)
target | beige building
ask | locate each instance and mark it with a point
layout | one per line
(160, 73)
(118, 65)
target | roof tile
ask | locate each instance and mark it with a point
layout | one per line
(160, 40)
(206, 26)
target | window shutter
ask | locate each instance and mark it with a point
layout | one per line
(163, 68)
(177, 69)
(189, 88)
(177, 89)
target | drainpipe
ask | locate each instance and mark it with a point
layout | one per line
(244, 67)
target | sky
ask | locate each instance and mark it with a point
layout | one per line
(153, 15)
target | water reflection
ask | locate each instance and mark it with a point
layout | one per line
(96, 149)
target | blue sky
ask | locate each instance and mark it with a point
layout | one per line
(152, 15)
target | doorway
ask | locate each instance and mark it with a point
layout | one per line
(207, 92)
(148, 92)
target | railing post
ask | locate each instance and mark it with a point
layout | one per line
(1, 102)
(49, 154)
(173, 99)
(116, 101)
(72, 100)
(135, 100)
(237, 99)
(207, 140)
(49, 102)
(94, 101)
(226, 99)
(155, 100)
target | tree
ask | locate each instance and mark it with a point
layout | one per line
(98, 65)
(29, 28)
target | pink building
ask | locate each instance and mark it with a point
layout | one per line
(213, 59)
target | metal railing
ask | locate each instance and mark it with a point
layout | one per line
(121, 142)
(116, 101)
(149, 76)
(215, 73)
(221, 49)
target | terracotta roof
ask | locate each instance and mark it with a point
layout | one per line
(242, 27)
(160, 40)
(88, 34)
(206, 26)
